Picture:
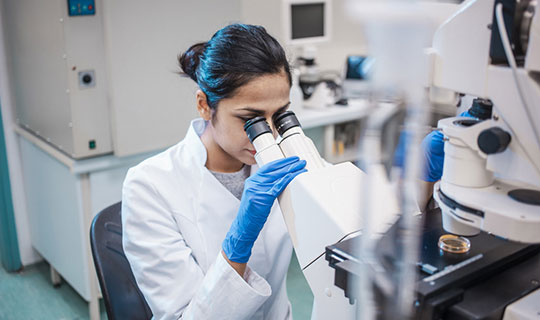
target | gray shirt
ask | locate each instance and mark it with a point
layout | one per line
(234, 181)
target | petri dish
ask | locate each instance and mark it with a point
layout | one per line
(454, 244)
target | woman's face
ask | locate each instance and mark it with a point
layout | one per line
(263, 96)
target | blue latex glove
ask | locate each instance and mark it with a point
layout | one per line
(433, 154)
(260, 192)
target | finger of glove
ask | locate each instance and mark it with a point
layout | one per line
(279, 163)
(266, 186)
(282, 183)
(278, 173)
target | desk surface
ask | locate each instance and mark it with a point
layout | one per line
(311, 118)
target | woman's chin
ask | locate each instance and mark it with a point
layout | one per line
(249, 160)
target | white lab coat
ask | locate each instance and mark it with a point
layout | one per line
(175, 214)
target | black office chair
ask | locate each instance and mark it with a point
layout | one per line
(123, 299)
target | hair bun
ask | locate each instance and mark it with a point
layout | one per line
(189, 60)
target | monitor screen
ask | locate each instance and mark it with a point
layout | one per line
(356, 68)
(307, 20)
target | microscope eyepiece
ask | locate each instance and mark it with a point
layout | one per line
(255, 127)
(284, 121)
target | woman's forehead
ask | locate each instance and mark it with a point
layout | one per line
(268, 91)
(264, 85)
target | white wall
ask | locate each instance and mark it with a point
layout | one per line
(28, 254)
(346, 35)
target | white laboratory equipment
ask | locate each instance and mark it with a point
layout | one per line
(490, 189)
(96, 90)
(95, 77)
(491, 176)
(320, 207)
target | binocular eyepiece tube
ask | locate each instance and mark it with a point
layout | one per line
(260, 135)
(293, 143)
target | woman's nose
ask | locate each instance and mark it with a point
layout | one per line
(272, 127)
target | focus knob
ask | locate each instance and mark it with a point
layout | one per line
(493, 140)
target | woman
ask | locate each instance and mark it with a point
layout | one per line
(189, 221)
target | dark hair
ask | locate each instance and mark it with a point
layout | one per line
(235, 55)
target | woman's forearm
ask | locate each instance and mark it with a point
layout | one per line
(425, 191)
(239, 267)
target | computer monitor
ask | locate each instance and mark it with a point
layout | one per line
(357, 71)
(306, 21)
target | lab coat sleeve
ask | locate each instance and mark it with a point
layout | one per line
(174, 285)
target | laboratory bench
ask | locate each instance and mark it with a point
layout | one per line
(335, 130)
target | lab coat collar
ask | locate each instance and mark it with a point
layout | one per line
(196, 148)
(194, 144)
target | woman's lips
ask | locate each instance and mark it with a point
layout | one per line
(253, 152)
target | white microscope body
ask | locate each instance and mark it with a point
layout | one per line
(491, 175)
(477, 191)
(320, 207)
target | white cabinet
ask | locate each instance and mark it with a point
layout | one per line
(63, 196)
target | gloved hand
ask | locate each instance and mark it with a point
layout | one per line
(433, 154)
(260, 192)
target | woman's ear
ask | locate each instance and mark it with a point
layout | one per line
(202, 106)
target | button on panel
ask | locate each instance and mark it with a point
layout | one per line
(87, 79)
(81, 7)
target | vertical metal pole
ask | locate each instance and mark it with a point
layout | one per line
(56, 279)
(93, 305)
(329, 141)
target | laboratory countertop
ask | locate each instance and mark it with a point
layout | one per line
(311, 118)
(82, 166)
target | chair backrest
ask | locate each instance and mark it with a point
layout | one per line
(123, 299)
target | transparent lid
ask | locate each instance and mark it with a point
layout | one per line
(454, 244)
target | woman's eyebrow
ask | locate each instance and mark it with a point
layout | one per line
(255, 111)
(284, 107)
(261, 112)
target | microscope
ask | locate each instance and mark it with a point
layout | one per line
(320, 207)
(491, 175)
(489, 192)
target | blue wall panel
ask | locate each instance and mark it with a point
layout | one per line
(9, 248)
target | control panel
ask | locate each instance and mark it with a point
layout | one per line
(81, 7)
